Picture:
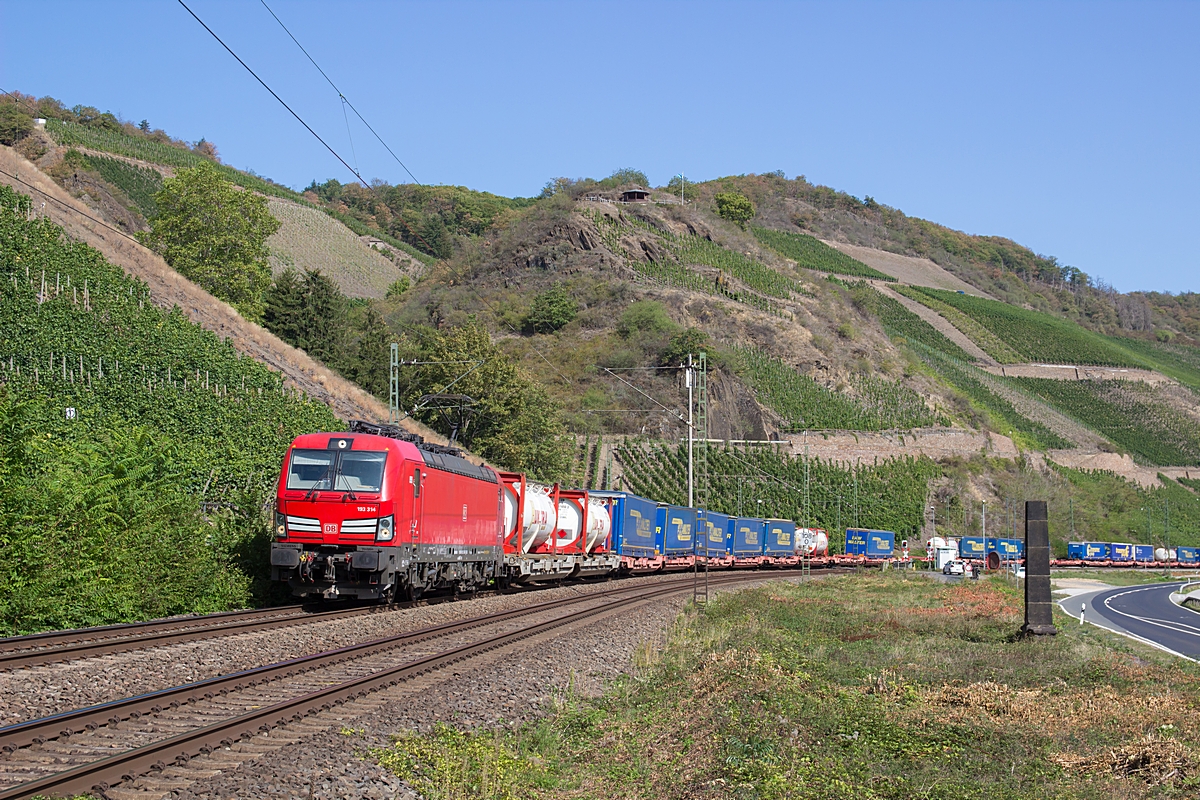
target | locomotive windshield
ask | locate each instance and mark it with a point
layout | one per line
(330, 470)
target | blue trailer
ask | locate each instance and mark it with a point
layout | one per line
(633, 523)
(717, 537)
(674, 529)
(1120, 551)
(1187, 555)
(748, 536)
(972, 547)
(1009, 549)
(780, 538)
(1143, 553)
(872, 544)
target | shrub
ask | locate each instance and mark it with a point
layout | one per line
(734, 207)
(551, 310)
(398, 287)
(645, 316)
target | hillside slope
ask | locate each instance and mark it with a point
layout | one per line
(168, 288)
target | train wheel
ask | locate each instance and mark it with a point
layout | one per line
(413, 593)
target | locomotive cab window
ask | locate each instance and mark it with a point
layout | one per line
(311, 469)
(328, 470)
(361, 471)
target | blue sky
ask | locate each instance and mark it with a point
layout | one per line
(1069, 127)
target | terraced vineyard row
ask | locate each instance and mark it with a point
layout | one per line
(139, 184)
(888, 495)
(1131, 414)
(811, 253)
(900, 323)
(975, 384)
(1032, 335)
(71, 134)
(991, 344)
(75, 330)
(877, 404)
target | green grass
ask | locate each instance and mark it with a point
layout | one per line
(874, 404)
(901, 324)
(1174, 360)
(1131, 414)
(1035, 336)
(881, 687)
(811, 253)
(1119, 577)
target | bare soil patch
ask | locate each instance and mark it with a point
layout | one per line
(907, 269)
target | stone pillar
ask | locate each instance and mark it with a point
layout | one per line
(1039, 608)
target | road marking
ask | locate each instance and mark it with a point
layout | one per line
(1173, 625)
(1127, 634)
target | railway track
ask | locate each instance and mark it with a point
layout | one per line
(57, 646)
(93, 749)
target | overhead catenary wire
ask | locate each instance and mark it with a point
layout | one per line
(343, 97)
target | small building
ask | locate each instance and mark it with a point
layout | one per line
(635, 195)
(39, 123)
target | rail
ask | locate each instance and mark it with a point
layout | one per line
(99, 776)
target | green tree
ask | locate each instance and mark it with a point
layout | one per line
(516, 424)
(215, 235)
(309, 313)
(734, 207)
(370, 363)
(551, 310)
(15, 124)
(689, 341)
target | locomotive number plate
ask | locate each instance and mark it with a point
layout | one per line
(331, 528)
(368, 509)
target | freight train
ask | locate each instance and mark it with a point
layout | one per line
(377, 513)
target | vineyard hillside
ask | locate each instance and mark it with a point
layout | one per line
(309, 239)
(168, 289)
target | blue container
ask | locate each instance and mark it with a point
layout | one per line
(1075, 551)
(675, 527)
(856, 542)
(780, 537)
(1187, 555)
(1096, 551)
(880, 544)
(747, 536)
(715, 542)
(1120, 552)
(633, 522)
(972, 547)
(872, 544)
(1143, 553)
(1009, 549)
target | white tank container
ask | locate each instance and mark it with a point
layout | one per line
(599, 525)
(1161, 554)
(935, 543)
(570, 523)
(537, 522)
(822, 543)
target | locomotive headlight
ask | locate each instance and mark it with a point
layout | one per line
(280, 526)
(386, 529)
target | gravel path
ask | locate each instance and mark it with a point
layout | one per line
(327, 756)
(53, 688)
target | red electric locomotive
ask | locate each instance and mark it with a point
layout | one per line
(378, 514)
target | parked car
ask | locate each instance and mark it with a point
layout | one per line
(953, 567)
(1018, 570)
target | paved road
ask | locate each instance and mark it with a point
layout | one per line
(1145, 612)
